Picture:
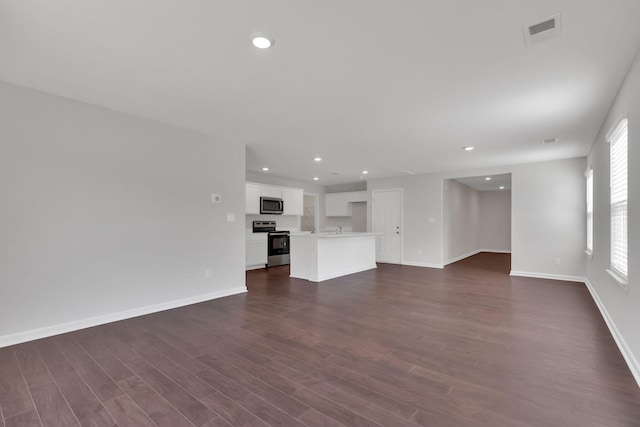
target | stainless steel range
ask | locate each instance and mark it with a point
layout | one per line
(278, 242)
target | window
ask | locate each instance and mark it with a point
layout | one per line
(590, 211)
(618, 158)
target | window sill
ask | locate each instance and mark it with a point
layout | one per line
(621, 281)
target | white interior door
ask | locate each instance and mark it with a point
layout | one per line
(387, 218)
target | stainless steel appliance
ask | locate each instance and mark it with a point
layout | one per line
(271, 205)
(277, 241)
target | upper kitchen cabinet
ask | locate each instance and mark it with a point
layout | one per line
(268, 191)
(357, 196)
(293, 199)
(252, 198)
(339, 204)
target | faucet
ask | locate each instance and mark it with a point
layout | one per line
(339, 230)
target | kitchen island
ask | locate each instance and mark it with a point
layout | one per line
(324, 256)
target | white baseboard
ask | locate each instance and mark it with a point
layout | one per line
(495, 251)
(75, 325)
(548, 276)
(628, 355)
(422, 264)
(461, 257)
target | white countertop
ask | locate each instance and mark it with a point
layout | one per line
(333, 235)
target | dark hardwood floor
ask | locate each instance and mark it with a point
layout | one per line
(396, 346)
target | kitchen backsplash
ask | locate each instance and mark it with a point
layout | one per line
(283, 222)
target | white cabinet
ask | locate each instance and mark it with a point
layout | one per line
(256, 251)
(339, 204)
(252, 198)
(293, 199)
(357, 196)
(268, 191)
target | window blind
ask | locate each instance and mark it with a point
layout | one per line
(590, 210)
(618, 184)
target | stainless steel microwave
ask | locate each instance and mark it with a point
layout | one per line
(271, 205)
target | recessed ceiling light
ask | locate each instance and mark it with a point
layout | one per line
(365, 172)
(502, 188)
(315, 178)
(265, 169)
(468, 148)
(262, 42)
(317, 159)
(488, 178)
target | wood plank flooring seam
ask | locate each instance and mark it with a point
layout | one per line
(116, 382)
(66, 377)
(358, 397)
(342, 389)
(84, 381)
(27, 387)
(340, 406)
(379, 408)
(185, 390)
(212, 387)
(204, 367)
(123, 391)
(53, 379)
(133, 401)
(150, 387)
(207, 368)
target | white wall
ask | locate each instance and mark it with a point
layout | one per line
(461, 237)
(548, 219)
(105, 215)
(495, 221)
(359, 217)
(422, 199)
(621, 308)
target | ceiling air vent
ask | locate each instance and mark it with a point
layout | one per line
(542, 30)
(543, 26)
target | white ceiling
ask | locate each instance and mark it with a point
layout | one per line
(385, 86)
(481, 183)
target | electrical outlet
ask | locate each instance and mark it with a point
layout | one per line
(215, 198)
(556, 261)
(419, 251)
(208, 274)
(231, 217)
